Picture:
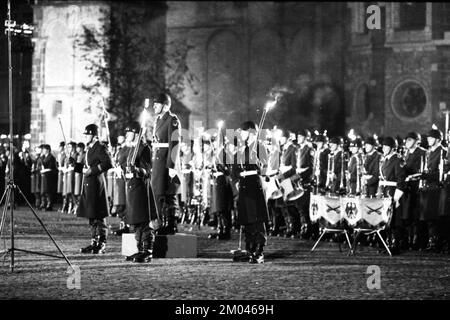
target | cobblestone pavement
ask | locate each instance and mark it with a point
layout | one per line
(290, 271)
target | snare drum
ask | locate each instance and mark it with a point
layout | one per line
(326, 211)
(370, 213)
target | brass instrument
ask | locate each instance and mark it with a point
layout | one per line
(330, 171)
(316, 170)
(341, 182)
(424, 169)
(362, 182)
(380, 186)
(348, 176)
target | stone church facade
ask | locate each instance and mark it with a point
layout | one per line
(387, 81)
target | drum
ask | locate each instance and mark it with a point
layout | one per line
(271, 188)
(291, 191)
(367, 213)
(326, 211)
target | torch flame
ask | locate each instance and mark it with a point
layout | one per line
(434, 127)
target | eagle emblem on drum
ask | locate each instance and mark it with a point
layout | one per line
(315, 208)
(351, 210)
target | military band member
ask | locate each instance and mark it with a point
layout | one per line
(414, 157)
(24, 178)
(287, 170)
(119, 200)
(305, 157)
(392, 184)
(337, 154)
(444, 203)
(430, 194)
(141, 208)
(274, 207)
(321, 170)
(165, 180)
(252, 207)
(49, 178)
(61, 158)
(371, 166)
(69, 177)
(93, 203)
(222, 193)
(354, 166)
(79, 165)
(36, 176)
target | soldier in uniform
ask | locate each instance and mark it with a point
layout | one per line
(323, 152)
(371, 167)
(69, 174)
(49, 178)
(222, 193)
(414, 157)
(252, 208)
(61, 158)
(141, 208)
(305, 157)
(79, 165)
(288, 169)
(25, 169)
(354, 165)
(337, 155)
(165, 180)
(36, 176)
(392, 184)
(93, 203)
(431, 192)
(274, 206)
(119, 201)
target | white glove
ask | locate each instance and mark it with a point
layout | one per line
(172, 173)
(154, 224)
(397, 195)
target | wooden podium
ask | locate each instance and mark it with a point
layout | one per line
(180, 245)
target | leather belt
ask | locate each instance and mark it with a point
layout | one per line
(160, 145)
(45, 170)
(217, 174)
(388, 183)
(129, 175)
(248, 173)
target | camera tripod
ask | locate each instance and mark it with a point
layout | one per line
(8, 195)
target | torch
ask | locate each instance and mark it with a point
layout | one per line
(62, 130)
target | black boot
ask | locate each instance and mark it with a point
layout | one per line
(171, 222)
(101, 245)
(146, 255)
(140, 249)
(245, 255)
(90, 247)
(258, 256)
(431, 246)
